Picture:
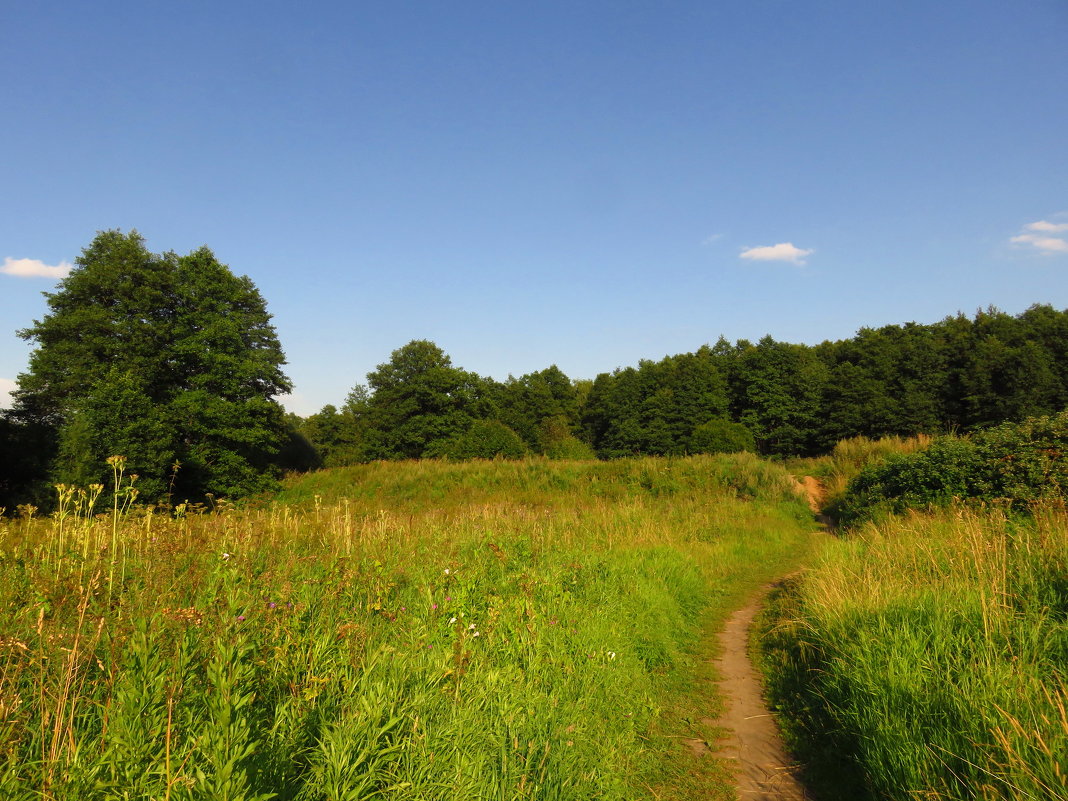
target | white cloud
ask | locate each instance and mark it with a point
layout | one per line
(1046, 244)
(708, 240)
(784, 251)
(34, 268)
(7, 386)
(1047, 227)
(1040, 236)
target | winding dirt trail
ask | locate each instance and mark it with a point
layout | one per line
(764, 770)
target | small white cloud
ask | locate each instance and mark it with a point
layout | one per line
(7, 386)
(1046, 244)
(1047, 227)
(784, 251)
(708, 240)
(34, 268)
(1040, 236)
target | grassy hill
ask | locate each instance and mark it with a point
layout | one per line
(407, 630)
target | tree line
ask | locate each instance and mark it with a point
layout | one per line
(775, 398)
(172, 362)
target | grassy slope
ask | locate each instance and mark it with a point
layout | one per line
(927, 656)
(493, 630)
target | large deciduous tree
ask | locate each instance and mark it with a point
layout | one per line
(417, 399)
(168, 360)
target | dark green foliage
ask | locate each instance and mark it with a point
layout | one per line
(116, 416)
(722, 436)
(336, 436)
(1014, 463)
(25, 451)
(950, 468)
(652, 409)
(556, 441)
(884, 382)
(781, 387)
(418, 398)
(485, 439)
(525, 403)
(1026, 461)
(298, 453)
(162, 359)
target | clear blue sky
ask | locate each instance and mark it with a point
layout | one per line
(579, 183)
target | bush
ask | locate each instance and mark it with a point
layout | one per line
(1026, 461)
(1015, 463)
(950, 468)
(720, 435)
(570, 448)
(485, 439)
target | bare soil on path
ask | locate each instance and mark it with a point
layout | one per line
(764, 771)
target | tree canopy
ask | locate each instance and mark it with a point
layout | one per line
(170, 361)
(418, 398)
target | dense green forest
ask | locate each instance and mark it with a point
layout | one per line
(776, 398)
(172, 362)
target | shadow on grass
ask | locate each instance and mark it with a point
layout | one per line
(791, 664)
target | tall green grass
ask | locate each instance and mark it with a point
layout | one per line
(849, 456)
(424, 630)
(927, 657)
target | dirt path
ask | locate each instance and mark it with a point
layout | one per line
(765, 773)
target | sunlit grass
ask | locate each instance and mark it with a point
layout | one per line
(927, 655)
(416, 630)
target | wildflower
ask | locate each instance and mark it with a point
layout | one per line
(471, 627)
(611, 655)
(475, 634)
(452, 620)
(271, 604)
(448, 597)
(404, 608)
(446, 571)
(433, 606)
(225, 555)
(240, 617)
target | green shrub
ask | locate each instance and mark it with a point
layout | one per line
(485, 439)
(1026, 461)
(720, 435)
(949, 468)
(570, 448)
(1013, 463)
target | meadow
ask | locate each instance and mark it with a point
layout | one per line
(924, 654)
(482, 630)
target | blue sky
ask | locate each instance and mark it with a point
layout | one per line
(581, 183)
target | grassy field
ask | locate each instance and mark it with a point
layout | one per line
(926, 656)
(499, 630)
